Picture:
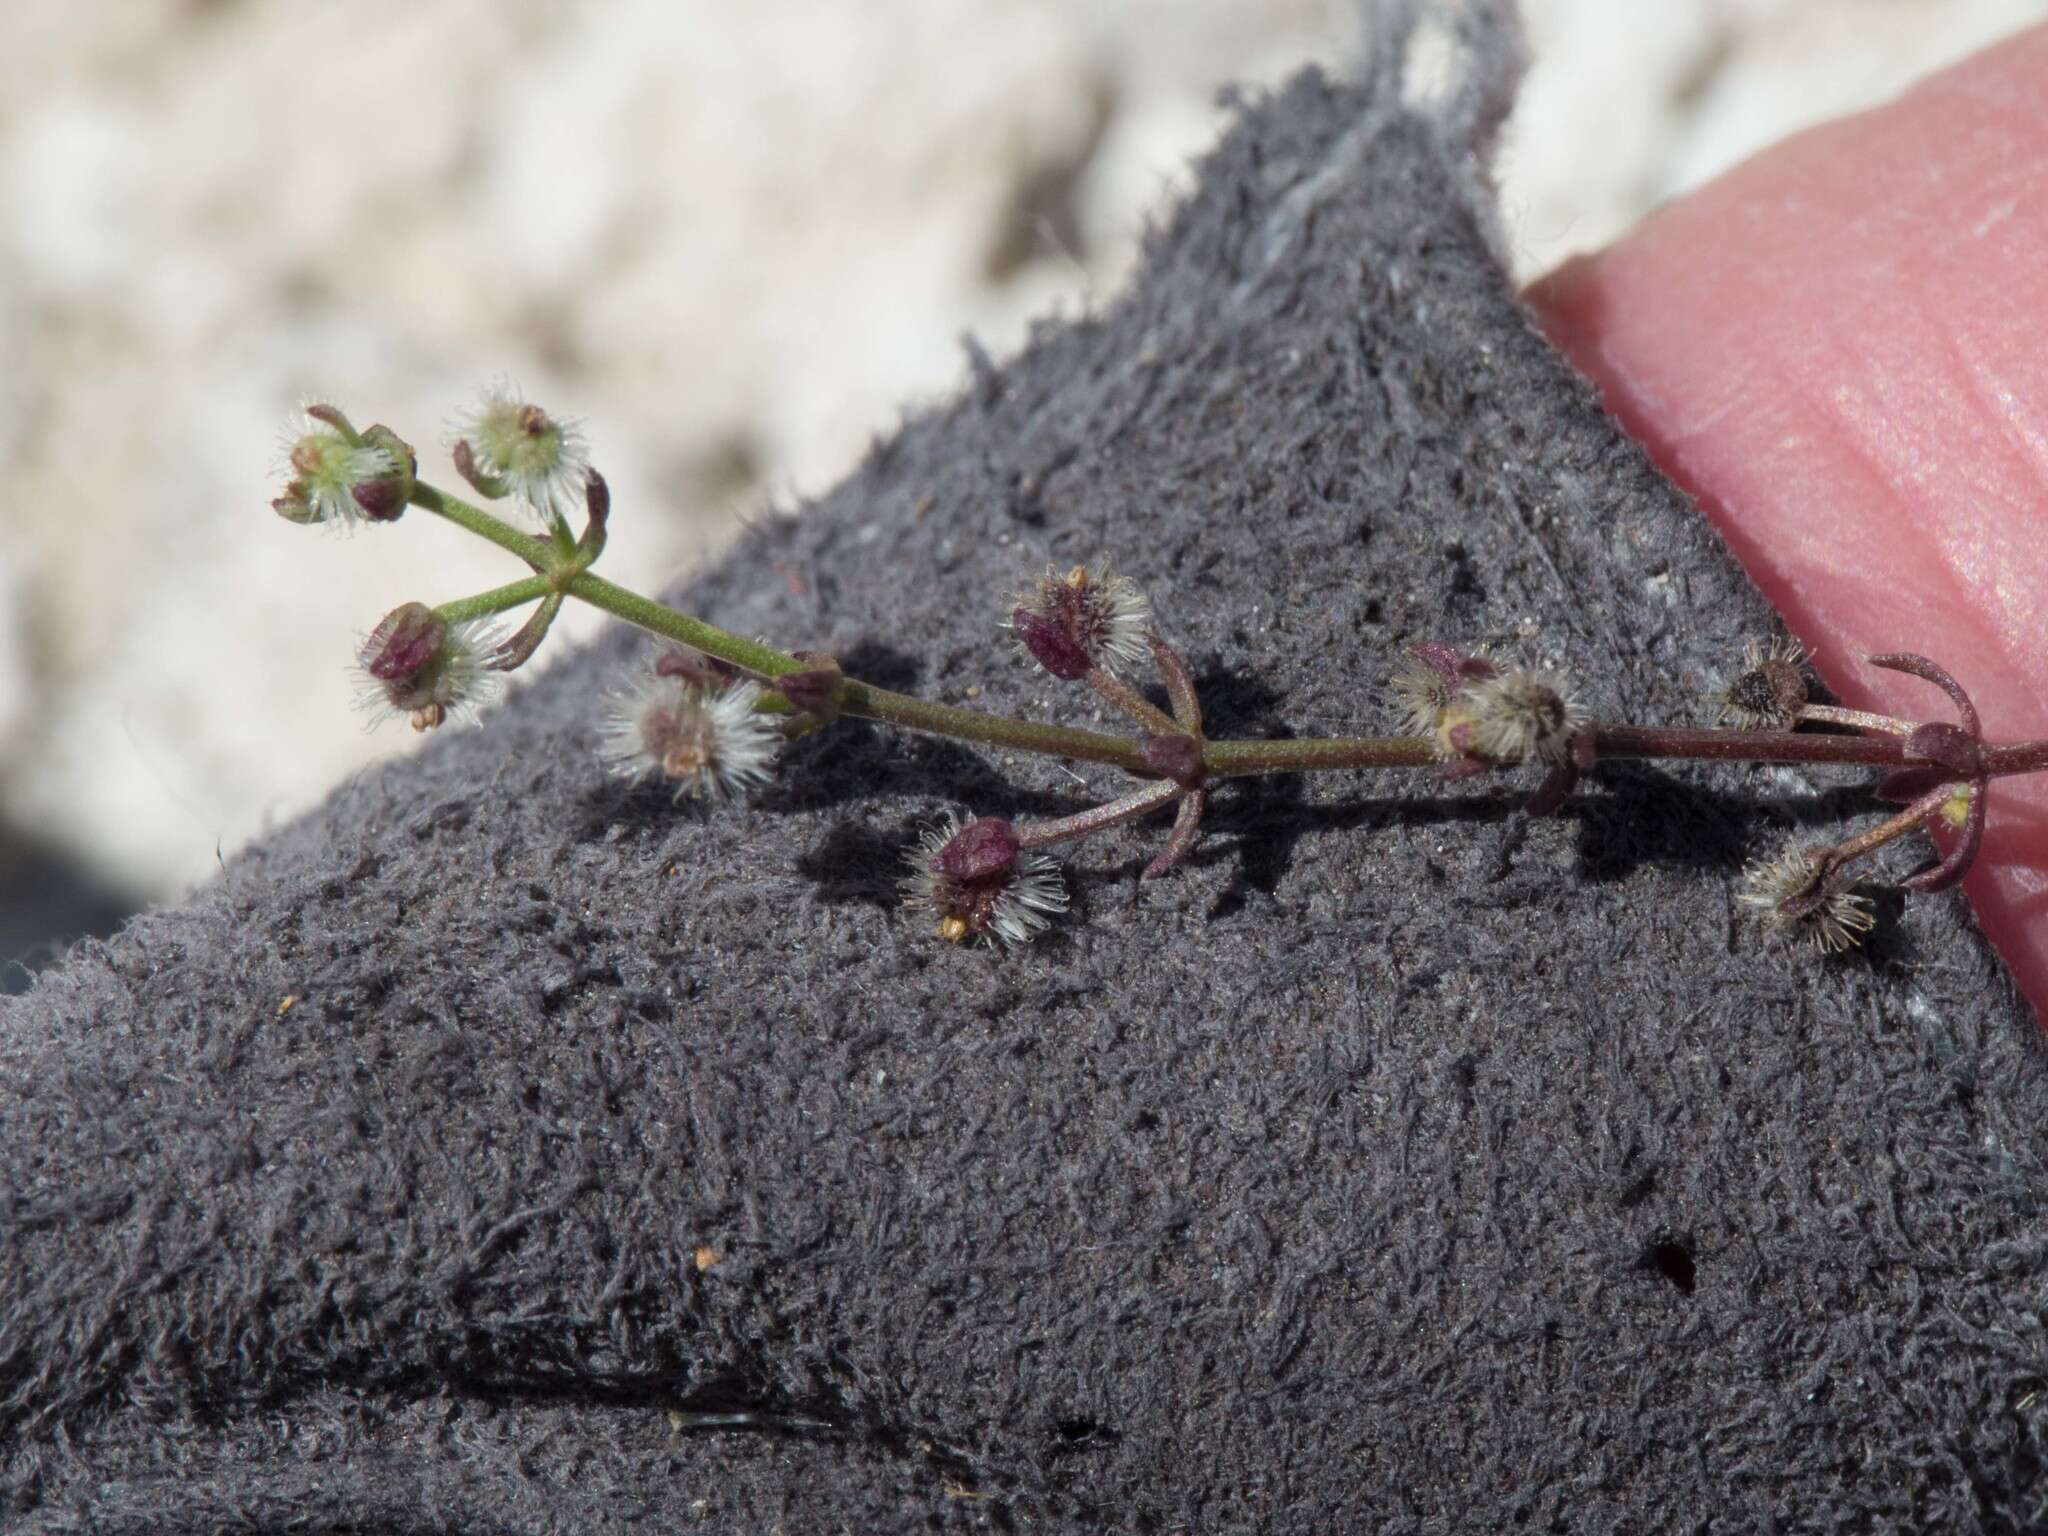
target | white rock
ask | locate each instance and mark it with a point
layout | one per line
(736, 239)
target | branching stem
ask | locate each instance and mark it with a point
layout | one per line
(1930, 762)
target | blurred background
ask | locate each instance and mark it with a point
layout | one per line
(739, 240)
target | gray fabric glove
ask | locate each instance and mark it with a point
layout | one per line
(1398, 1164)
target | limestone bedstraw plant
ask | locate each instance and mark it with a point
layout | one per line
(709, 714)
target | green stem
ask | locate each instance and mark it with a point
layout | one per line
(518, 651)
(868, 702)
(748, 655)
(537, 553)
(564, 574)
(1236, 759)
(899, 709)
(497, 600)
(563, 571)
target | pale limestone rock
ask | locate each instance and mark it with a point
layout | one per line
(738, 240)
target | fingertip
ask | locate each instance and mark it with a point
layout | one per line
(1840, 348)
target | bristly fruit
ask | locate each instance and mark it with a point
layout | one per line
(1796, 892)
(1084, 619)
(337, 475)
(1519, 715)
(979, 884)
(1483, 714)
(416, 664)
(1769, 691)
(701, 735)
(509, 445)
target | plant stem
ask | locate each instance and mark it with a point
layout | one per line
(665, 621)
(1889, 830)
(1180, 687)
(860, 699)
(1116, 691)
(1646, 741)
(1099, 818)
(2004, 759)
(1187, 828)
(535, 552)
(1860, 719)
(518, 651)
(560, 566)
(1238, 759)
(2001, 759)
(497, 600)
(872, 703)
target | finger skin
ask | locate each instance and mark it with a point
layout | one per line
(1841, 350)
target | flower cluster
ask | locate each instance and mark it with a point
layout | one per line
(1483, 714)
(1086, 618)
(338, 475)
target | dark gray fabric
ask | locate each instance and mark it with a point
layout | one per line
(1397, 1165)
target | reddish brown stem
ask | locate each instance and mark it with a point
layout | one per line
(1187, 831)
(1890, 830)
(1647, 741)
(1956, 864)
(1856, 719)
(1126, 698)
(1180, 687)
(1099, 818)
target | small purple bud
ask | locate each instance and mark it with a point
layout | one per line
(403, 644)
(979, 849)
(1050, 645)
(1439, 658)
(383, 499)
